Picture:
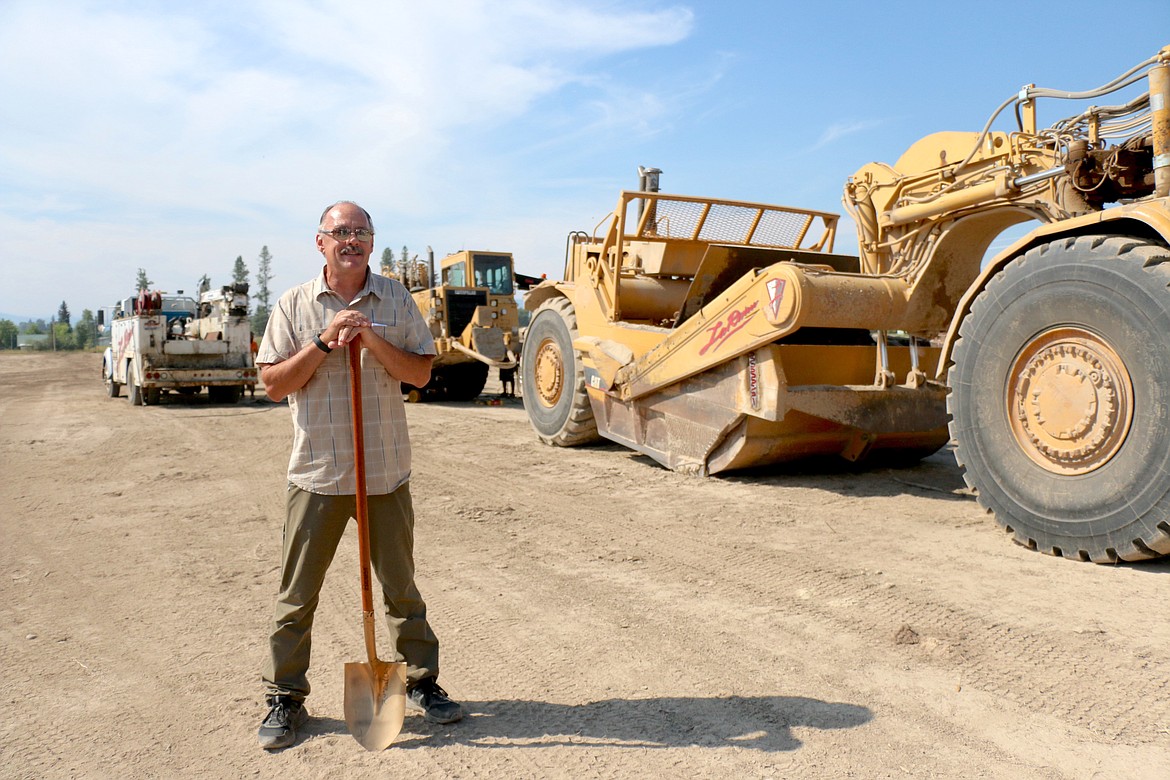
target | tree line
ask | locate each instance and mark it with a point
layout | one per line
(59, 333)
(62, 333)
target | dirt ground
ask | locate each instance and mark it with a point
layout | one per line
(600, 617)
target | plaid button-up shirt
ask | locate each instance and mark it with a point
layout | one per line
(322, 455)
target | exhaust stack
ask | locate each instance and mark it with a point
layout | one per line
(648, 182)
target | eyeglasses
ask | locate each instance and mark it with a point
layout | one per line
(345, 234)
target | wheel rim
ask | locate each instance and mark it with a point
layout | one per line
(1071, 401)
(549, 373)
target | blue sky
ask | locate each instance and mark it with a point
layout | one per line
(175, 137)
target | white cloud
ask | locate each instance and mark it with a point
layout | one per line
(159, 136)
(836, 132)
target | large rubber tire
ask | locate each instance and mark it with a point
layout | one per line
(1060, 386)
(553, 378)
(465, 381)
(437, 387)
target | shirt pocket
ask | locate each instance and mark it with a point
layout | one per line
(393, 333)
(333, 361)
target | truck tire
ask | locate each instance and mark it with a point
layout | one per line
(553, 378)
(135, 391)
(1060, 384)
(113, 389)
(224, 394)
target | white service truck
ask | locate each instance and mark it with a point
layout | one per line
(161, 342)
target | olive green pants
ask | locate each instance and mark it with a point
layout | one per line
(312, 530)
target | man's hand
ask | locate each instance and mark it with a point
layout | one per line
(347, 325)
(288, 376)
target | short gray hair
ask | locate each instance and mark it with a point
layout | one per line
(332, 206)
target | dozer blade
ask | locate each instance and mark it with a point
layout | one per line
(743, 414)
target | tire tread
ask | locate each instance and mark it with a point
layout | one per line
(579, 427)
(1151, 258)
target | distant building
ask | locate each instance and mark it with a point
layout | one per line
(32, 341)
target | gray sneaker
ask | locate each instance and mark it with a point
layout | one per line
(285, 716)
(436, 706)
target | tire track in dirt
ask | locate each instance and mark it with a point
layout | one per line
(35, 752)
(580, 709)
(93, 536)
(622, 595)
(1003, 660)
(988, 655)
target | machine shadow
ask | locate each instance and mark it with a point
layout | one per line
(937, 475)
(759, 722)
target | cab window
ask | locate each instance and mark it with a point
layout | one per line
(455, 275)
(494, 272)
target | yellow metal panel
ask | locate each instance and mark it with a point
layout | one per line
(1154, 215)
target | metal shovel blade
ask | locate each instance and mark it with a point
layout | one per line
(375, 702)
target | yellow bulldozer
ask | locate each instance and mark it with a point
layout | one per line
(473, 316)
(714, 335)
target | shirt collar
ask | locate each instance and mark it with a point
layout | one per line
(321, 287)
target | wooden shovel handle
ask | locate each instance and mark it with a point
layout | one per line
(363, 517)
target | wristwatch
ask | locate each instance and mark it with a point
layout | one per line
(321, 345)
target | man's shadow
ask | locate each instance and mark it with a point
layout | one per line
(761, 722)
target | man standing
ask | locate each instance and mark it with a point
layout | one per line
(302, 357)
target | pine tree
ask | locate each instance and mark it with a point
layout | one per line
(387, 262)
(240, 271)
(263, 293)
(143, 282)
(63, 316)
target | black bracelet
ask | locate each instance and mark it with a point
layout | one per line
(321, 345)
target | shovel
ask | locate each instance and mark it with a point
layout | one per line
(375, 691)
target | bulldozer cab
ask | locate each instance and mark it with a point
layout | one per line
(480, 269)
(477, 292)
